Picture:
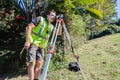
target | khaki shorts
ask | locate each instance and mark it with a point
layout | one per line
(34, 53)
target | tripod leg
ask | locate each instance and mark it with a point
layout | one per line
(64, 43)
(67, 34)
(53, 36)
(73, 50)
(70, 42)
(68, 37)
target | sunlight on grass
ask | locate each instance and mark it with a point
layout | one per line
(99, 60)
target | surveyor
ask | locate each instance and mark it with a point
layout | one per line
(37, 36)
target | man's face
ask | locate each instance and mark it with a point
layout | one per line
(51, 17)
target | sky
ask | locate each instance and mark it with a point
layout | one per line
(118, 8)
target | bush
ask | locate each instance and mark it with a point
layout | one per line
(12, 28)
(110, 29)
(76, 28)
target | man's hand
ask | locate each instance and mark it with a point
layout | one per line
(51, 50)
(60, 21)
(27, 45)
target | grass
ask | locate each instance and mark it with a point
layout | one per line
(99, 59)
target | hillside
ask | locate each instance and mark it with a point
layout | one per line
(99, 58)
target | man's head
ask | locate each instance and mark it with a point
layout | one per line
(51, 16)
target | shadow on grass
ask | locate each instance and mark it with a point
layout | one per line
(11, 66)
(13, 74)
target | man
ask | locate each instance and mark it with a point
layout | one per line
(37, 35)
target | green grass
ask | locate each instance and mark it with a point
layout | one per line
(99, 59)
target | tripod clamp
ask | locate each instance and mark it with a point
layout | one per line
(51, 49)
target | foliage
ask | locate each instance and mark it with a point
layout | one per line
(70, 5)
(13, 23)
(96, 12)
(99, 8)
(110, 29)
(108, 10)
(76, 28)
(88, 2)
(73, 24)
(96, 26)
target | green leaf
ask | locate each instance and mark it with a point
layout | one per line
(95, 12)
(88, 2)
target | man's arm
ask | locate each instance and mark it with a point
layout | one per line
(29, 29)
(27, 34)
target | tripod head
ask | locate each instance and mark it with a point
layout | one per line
(59, 19)
(59, 16)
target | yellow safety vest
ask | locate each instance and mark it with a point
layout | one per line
(41, 33)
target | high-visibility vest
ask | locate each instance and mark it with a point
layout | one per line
(41, 33)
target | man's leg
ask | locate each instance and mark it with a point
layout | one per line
(31, 59)
(38, 68)
(31, 70)
(39, 62)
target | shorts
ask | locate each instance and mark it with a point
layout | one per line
(34, 53)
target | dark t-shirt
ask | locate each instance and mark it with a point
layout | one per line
(36, 21)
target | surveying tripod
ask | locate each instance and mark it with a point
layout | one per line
(59, 23)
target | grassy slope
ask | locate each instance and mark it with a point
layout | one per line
(99, 58)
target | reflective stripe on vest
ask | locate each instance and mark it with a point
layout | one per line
(41, 29)
(40, 34)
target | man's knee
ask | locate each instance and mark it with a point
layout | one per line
(39, 64)
(31, 64)
(40, 61)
